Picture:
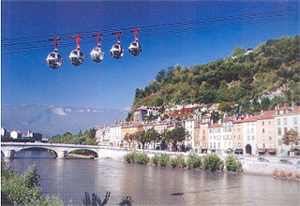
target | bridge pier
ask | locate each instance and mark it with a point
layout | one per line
(62, 154)
(9, 154)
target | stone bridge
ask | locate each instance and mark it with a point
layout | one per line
(9, 149)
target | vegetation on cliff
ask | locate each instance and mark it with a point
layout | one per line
(244, 76)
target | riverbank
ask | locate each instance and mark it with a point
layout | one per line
(249, 166)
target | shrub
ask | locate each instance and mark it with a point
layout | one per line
(173, 162)
(289, 174)
(164, 159)
(232, 163)
(275, 172)
(180, 159)
(23, 189)
(281, 173)
(131, 157)
(155, 159)
(212, 162)
(297, 176)
(142, 158)
(193, 160)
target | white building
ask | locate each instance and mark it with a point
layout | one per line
(16, 134)
(250, 134)
(286, 118)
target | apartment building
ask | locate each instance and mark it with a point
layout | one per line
(250, 134)
(238, 144)
(285, 118)
(266, 141)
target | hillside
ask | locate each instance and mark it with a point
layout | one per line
(50, 120)
(272, 67)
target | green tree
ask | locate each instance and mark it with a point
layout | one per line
(238, 51)
(224, 107)
(176, 135)
(291, 138)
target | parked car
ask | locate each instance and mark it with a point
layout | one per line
(285, 161)
(262, 159)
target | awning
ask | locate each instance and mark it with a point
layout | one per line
(271, 150)
(238, 150)
(262, 150)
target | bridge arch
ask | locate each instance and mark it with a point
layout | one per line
(85, 152)
(38, 148)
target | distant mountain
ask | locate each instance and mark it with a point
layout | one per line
(50, 120)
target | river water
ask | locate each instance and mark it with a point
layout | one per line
(152, 185)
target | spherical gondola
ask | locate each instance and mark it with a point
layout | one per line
(76, 57)
(135, 48)
(117, 51)
(97, 54)
(54, 60)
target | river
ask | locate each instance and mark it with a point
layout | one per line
(152, 185)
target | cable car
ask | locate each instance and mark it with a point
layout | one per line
(54, 59)
(97, 54)
(76, 56)
(135, 48)
(117, 51)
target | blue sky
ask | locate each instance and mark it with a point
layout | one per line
(111, 84)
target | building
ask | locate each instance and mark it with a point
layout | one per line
(238, 143)
(250, 134)
(285, 118)
(266, 141)
(16, 134)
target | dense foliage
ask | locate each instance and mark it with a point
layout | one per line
(17, 189)
(232, 163)
(87, 138)
(212, 162)
(243, 77)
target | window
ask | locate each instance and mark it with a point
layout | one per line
(279, 131)
(248, 137)
(225, 144)
(239, 129)
(278, 121)
(233, 136)
(270, 138)
(295, 120)
(263, 137)
(263, 130)
(296, 129)
(219, 144)
(269, 122)
(214, 145)
(253, 138)
(270, 130)
(285, 130)
(248, 131)
(252, 130)
(264, 145)
(263, 123)
(239, 137)
(210, 144)
(233, 144)
(204, 131)
(270, 145)
(203, 144)
(239, 144)
(284, 121)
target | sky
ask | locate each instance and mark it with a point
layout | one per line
(206, 30)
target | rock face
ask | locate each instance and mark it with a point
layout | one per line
(50, 120)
